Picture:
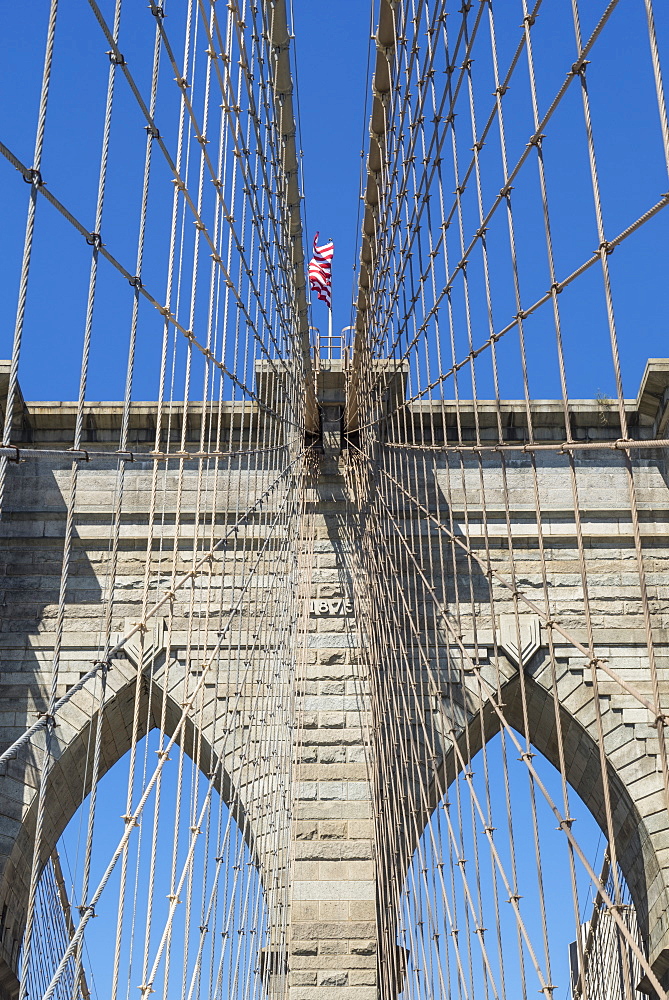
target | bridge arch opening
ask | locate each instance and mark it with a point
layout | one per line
(496, 903)
(209, 868)
(186, 908)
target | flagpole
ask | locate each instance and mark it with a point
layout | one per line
(330, 319)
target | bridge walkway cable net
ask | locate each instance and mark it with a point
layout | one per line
(481, 551)
(198, 166)
(304, 718)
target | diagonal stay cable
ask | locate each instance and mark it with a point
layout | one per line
(34, 178)
(163, 755)
(163, 310)
(181, 184)
(573, 74)
(563, 823)
(494, 338)
(11, 752)
(227, 214)
(549, 622)
(500, 198)
(410, 224)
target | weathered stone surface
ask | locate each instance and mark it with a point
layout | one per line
(334, 933)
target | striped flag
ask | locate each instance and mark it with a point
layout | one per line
(320, 271)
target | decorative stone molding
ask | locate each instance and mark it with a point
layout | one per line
(530, 637)
(154, 643)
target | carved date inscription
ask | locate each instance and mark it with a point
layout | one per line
(334, 606)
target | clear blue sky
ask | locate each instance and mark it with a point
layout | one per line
(332, 92)
(332, 47)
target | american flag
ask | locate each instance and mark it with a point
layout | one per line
(320, 271)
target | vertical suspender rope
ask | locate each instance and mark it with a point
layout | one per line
(69, 526)
(36, 180)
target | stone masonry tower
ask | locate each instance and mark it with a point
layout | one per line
(360, 771)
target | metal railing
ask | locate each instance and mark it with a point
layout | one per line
(328, 347)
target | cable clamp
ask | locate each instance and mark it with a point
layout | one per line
(529, 20)
(17, 454)
(94, 240)
(506, 190)
(49, 719)
(158, 11)
(556, 287)
(153, 131)
(607, 247)
(537, 139)
(182, 82)
(115, 58)
(135, 281)
(33, 176)
(105, 664)
(579, 66)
